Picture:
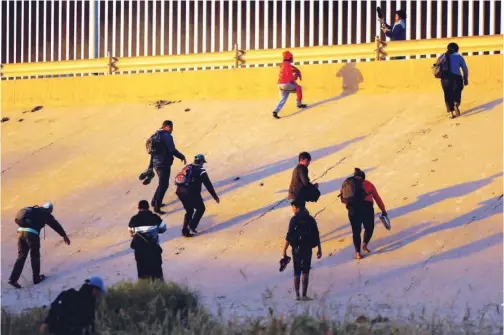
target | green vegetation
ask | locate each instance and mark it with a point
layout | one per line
(166, 308)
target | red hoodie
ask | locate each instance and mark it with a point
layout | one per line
(371, 192)
(286, 73)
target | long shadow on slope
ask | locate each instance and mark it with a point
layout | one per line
(484, 107)
(230, 184)
(487, 209)
(352, 77)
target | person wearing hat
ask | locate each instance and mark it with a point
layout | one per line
(31, 220)
(161, 162)
(398, 31)
(287, 83)
(144, 227)
(73, 312)
(453, 83)
(303, 235)
(361, 211)
(189, 193)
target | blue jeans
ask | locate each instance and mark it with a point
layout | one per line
(285, 90)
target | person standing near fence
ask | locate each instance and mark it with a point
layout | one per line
(398, 31)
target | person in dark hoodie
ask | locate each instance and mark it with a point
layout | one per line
(189, 183)
(31, 220)
(73, 312)
(162, 162)
(144, 228)
(303, 236)
(300, 185)
(398, 31)
(453, 82)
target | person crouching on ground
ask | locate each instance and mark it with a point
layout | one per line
(303, 236)
(287, 83)
(144, 228)
(360, 208)
(189, 182)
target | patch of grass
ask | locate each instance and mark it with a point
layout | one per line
(167, 308)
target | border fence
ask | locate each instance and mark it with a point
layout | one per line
(63, 30)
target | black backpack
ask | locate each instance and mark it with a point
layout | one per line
(352, 192)
(154, 144)
(312, 194)
(306, 235)
(184, 177)
(27, 216)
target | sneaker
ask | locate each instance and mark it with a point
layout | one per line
(39, 280)
(275, 115)
(302, 106)
(306, 298)
(193, 231)
(14, 284)
(187, 234)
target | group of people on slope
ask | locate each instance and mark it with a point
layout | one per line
(303, 234)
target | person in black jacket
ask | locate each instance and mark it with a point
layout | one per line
(300, 184)
(73, 312)
(144, 228)
(31, 220)
(162, 162)
(303, 236)
(190, 195)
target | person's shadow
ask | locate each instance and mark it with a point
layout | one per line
(351, 77)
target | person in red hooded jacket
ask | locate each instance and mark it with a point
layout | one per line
(287, 83)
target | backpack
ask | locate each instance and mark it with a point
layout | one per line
(442, 66)
(154, 144)
(352, 191)
(312, 194)
(306, 234)
(27, 216)
(183, 178)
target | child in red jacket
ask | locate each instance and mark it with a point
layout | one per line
(287, 83)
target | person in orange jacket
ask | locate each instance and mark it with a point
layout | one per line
(287, 83)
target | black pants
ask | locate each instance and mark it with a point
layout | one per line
(361, 216)
(164, 180)
(452, 87)
(149, 262)
(194, 207)
(27, 242)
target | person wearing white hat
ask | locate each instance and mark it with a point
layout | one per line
(73, 312)
(31, 220)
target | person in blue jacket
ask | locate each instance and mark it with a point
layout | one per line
(453, 82)
(398, 31)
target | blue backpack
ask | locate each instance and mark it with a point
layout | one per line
(183, 178)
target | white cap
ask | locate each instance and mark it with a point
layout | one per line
(48, 205)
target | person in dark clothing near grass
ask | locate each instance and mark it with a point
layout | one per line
(31, 220)
(73, 312)
(162, 162)
(144, 228)
(453, 82)
(300, 185)
(189, 183)
(303, 236)
(360, 209)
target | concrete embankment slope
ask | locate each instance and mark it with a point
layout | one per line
(441, 180)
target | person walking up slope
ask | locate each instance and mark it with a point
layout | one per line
(303, 236)
(301, 189)
(189, 182)
(287, 83)
(357, 194)
(31, 220)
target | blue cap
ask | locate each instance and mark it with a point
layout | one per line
(200, 158)
(96, 282)
(48, 205)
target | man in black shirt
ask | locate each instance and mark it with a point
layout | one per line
(189, 183)
(162, 162)
(303, 236)
(31, 220)
(144, 228)
(300, 184)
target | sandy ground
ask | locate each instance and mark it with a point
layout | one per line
(441, 181)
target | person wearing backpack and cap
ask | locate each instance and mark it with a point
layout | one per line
(452, 80)
(73, 312)
(144, 228)
(189, 182)
(287, 83)
(398, 31)
(303, 235)
(357, 194)
(162, 149)
(31, 220)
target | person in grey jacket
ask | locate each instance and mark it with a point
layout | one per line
(161, 162)
(453, 82)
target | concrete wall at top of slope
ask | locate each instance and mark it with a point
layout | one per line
(319, 82)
